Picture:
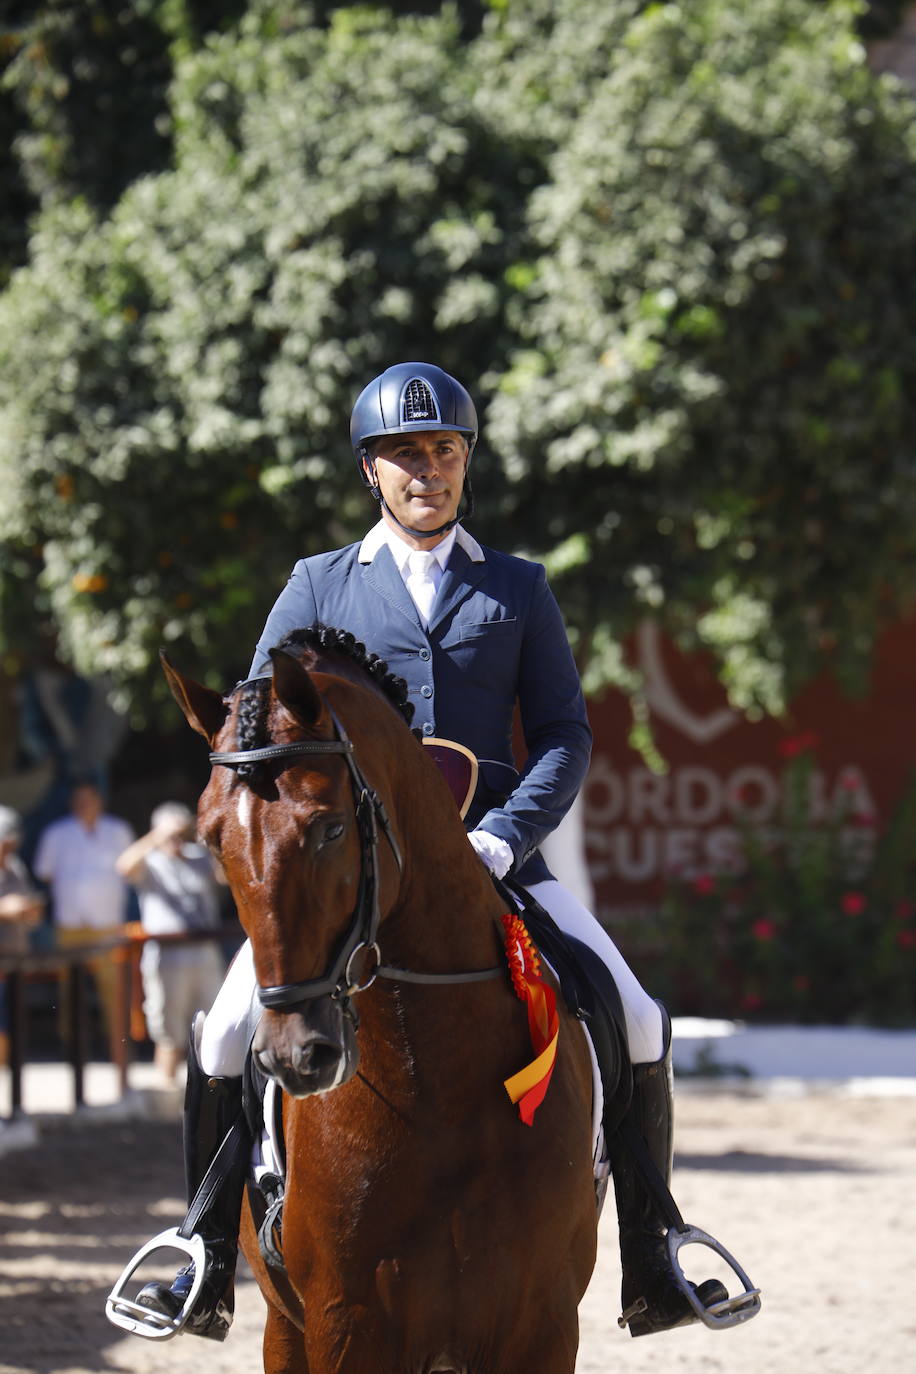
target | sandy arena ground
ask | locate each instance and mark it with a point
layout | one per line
(812, 1193)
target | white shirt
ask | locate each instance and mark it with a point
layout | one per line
(382, 534)
(178, 892)
(86, 888)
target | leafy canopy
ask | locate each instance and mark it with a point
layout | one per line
(666, 247)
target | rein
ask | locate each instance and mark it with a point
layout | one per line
(342, 980)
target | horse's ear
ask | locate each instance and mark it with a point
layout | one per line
(293, 686)
(204, 709)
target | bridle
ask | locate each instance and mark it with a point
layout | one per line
(342, 979)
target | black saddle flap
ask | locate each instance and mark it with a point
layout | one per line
(590, 993)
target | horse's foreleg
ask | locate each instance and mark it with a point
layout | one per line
(284, 1345)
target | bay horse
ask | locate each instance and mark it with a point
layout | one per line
(426, 1228)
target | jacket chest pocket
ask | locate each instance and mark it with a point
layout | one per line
(486, 653)
(488, 630)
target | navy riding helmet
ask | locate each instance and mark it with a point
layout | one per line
(409, 397)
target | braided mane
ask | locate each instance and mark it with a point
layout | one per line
(321, 643)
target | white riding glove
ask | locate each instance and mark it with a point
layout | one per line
(495, 854)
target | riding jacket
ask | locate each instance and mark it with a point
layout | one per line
(495, 637)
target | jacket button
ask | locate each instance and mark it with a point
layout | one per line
(425, 654)
(428, 728)
(426, 691)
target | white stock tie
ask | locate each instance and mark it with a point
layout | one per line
(420, 581)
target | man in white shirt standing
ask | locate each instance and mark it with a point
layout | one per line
(77, 857)
(177, 882)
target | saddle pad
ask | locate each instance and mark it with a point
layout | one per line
(600, 1162)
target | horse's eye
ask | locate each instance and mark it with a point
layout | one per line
(333, 831)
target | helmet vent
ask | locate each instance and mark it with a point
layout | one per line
(418, 403)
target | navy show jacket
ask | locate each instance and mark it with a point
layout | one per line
(495, 636)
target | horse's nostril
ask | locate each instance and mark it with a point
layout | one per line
(263, 1060)
(318, 1057)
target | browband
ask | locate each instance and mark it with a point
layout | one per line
(283, 751)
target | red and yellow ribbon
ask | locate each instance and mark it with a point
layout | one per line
(528, 1087)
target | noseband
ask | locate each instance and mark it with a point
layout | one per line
(341, 980)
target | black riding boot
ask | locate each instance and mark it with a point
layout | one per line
(213, 1107)
(653, 1300)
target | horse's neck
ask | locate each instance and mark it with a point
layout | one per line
(446, 918)
(417, 1039)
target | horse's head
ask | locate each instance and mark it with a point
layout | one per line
(294, 810)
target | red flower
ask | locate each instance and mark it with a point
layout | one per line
(752, 1001)
(764, 929)
(704, 884)
(906, 939)
(853, 903)
(903, 910)
(793, 745)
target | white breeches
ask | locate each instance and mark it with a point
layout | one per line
(233, 1018)
(645, 1030)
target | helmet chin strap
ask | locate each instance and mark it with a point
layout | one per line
(442, 529)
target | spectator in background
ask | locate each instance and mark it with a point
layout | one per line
(177, 880)
(21, 905)
(77, 856)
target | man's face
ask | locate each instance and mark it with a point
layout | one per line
(421, 477)
(86, 805)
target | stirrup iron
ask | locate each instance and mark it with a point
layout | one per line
(145, 1321)
(719, 1315)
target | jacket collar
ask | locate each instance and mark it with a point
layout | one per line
(465, 568)
(381, 535)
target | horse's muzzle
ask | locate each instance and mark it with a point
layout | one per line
(306, 1052)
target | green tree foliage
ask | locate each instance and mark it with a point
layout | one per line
(90, 80)
(18, 203)
(667, 247)
(880, 18)
(178, 430)
(720, 366)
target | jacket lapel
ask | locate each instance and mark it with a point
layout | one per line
(460, 578)
(383, 577)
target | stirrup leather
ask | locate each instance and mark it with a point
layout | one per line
(144, 1321)
(719, 1315)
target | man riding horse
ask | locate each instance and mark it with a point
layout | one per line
(473, 632)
